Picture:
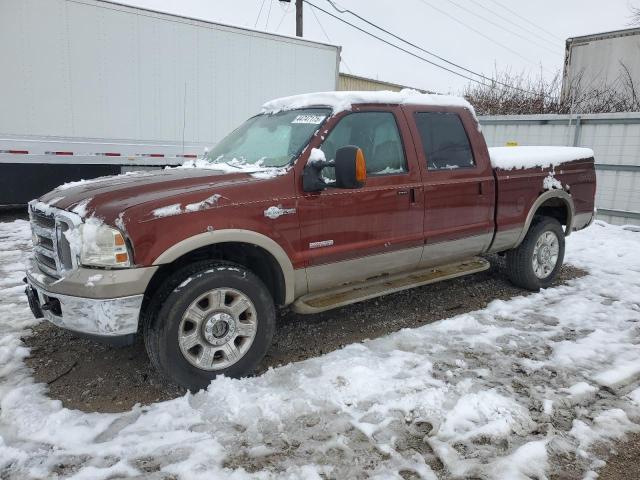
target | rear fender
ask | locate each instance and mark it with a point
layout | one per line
(540, 201)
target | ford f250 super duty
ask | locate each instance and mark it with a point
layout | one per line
(320, 201)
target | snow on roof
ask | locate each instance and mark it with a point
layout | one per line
(340, 101)
(508, 158)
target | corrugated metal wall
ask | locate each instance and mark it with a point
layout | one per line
(614, 138)
(353, 82)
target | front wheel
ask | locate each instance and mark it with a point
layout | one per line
(216, 319)
(535, 263)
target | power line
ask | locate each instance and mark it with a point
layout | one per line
(320, 25)
(284, 14)
(258, 17)
(455, 19)
(501, 5)
(328, 39)
(502, 27)
(285, 11)
(537, 35)
(266, 25)
(424, 50)
(394, 45)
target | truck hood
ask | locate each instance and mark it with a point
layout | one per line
(108, 197)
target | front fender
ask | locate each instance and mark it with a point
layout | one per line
(240, 236)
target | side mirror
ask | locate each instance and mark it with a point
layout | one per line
(351, 168)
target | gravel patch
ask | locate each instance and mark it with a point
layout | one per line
(623, 464)
(92, 377)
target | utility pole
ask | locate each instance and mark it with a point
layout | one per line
(298, 18)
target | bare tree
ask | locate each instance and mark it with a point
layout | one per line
(634, 16)
(538, 95)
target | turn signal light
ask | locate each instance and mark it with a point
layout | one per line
(118, 240)
(122, 257)
(361, 167)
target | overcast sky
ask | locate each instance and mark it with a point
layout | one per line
(481, 35)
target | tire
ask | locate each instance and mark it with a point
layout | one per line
(193, 331)
(520, 261)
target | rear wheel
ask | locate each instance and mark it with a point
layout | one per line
(535, 263)
(217, 319)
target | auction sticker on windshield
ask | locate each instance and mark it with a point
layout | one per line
(309, 118)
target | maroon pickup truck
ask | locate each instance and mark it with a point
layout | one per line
(320, 201)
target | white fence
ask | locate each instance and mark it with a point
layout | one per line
(614, 138)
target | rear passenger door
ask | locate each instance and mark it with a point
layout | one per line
(458, 184)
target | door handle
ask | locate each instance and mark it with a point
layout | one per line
(411, 192)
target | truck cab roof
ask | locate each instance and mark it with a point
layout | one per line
(341, 101)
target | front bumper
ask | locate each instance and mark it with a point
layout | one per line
(83, 301)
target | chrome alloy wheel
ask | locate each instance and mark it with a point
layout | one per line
(545, 254)
(217, 329)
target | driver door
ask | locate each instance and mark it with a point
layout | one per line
(353, 234)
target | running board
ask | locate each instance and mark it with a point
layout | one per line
(376, 287)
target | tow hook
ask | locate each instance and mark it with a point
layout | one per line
(47, 306)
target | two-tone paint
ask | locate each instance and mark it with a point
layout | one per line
(318, 240)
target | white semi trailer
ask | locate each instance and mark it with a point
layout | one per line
(92, 88)
(602, 60)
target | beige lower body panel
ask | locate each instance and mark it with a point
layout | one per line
(332, 275)
(384, 285)
(505, 240)
(93, 282)
(444, 252)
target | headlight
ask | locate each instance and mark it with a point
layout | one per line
(98, 245)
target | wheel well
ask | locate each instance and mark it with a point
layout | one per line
(554, 208)
(255, 258)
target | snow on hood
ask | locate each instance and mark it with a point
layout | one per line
(509, 158)
(340, 101)
(108, 197)
(256, 170)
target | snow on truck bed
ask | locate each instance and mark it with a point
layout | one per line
(499, 393)
(509, 158)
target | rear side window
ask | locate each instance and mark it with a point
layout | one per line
(444, 140)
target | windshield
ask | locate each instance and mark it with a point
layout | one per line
(269, 140)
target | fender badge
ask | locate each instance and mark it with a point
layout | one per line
(275, 212)
(323, 243)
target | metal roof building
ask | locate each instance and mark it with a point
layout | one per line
(347, 82)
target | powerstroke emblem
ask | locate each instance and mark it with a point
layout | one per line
(275, 212)
(323, 243)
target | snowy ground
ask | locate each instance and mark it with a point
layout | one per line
(520, 389)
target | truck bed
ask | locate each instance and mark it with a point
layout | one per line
(523, 173)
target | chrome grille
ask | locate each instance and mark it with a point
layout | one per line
(41, 219)
(52, 251)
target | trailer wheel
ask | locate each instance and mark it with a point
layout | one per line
(216, 319)
(535, 263)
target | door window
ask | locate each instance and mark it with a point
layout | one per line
(444, 141)
(376, 133)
